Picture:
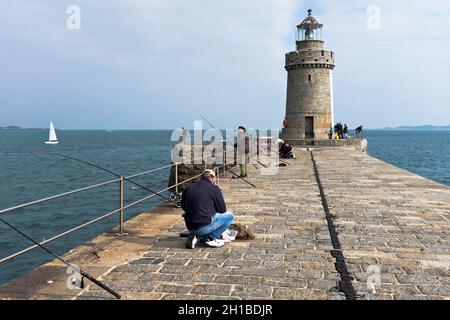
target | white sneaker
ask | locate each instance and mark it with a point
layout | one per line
(215, 243)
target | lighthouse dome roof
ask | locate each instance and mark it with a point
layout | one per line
(310, 22)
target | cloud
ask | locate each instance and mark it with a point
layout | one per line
(395, 75)
(195, 49)
(154, 63)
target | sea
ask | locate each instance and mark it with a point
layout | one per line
(27, 173)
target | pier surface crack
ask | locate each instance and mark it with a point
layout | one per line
(345, 284)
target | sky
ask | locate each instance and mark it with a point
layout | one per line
(155, 64)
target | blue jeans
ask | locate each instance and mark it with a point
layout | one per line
(219, 224)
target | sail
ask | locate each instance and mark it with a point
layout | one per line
(52, 133)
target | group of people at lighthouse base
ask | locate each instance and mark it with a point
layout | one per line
(338, 132)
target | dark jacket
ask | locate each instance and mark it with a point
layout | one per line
(200, 202)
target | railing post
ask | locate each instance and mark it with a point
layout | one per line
(217, 172)
(224, 161)
(176, 178)
(122, 211)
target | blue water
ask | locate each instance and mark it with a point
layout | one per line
(25, 177)
(426, 153)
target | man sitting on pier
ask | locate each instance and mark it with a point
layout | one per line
(205, 214)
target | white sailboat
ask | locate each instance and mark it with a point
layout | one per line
(52, 139)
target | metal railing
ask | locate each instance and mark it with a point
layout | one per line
(325, 142)
(122, 206)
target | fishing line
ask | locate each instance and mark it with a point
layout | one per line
(106, 170)
(82, 272)
(92, 165)
(236, 175)
(259, 147)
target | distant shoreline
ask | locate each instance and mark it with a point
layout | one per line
(61, 129)
(401, 128)
(422, 128)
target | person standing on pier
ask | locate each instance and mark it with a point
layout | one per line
(243, 149)
(206, 215)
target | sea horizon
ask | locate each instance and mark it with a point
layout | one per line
(399, 128)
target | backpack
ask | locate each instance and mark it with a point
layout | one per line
(243, 232)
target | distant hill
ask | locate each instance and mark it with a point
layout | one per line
(424, 127)
(11, 128)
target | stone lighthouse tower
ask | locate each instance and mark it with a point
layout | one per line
(309, 105)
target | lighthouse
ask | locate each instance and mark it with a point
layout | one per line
(309, 103)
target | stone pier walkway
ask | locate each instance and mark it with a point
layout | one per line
(393, 220)
(393, 227)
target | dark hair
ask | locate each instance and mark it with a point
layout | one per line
(241, 127)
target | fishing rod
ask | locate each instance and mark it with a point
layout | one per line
(83, 273)
(265, 152)
(227, 141)
(255, 165)
(203, 118)
(105, 170)
(235, 174)
(238, 176)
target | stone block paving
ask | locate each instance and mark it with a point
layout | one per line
(289, 259)
(389, 220)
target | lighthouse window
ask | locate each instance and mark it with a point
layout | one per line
(323, 53)
(309, 78)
